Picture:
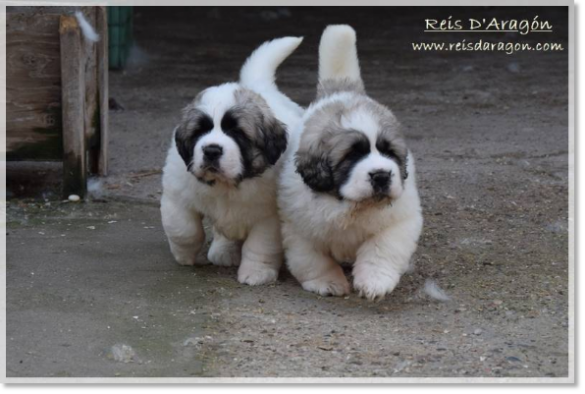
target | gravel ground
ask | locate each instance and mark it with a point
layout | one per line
(488, 130)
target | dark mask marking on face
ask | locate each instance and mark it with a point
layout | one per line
(328, 168)
(230, 126)
(260, 137)
(391, 152)
(358, 151)
(194, 125)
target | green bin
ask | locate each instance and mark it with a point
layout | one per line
(120, 25)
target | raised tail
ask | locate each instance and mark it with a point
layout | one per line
(260, 68)
(338, 54)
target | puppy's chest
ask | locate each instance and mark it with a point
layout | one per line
(344, 238)
(344, 244)
(235, 217)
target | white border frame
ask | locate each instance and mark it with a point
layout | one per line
(504, 380)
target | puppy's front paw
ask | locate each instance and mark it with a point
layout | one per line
(186, 260)
(225, 253)
(374, 285)
(185, 256)
(333, 283)
(254, 274)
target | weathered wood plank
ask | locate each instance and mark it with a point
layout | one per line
(34, 84)
(73, 103)
(91, 118)
(33, 87)
(102, 55)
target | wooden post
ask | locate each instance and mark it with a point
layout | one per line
(102, 54)
(33, 86)
(73, 99)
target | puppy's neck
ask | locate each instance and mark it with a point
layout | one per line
(358, 209)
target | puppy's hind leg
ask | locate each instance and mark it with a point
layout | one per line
(315, 271)
(184, 231)
(224, 251)
(262, 254)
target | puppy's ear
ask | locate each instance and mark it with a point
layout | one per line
(274, 139)
(404, 172)
(194, 124)
(185, 144)
(315, 170)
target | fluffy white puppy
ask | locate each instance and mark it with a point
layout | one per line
(223, 163)
(348, 191)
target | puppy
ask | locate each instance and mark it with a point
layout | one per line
(348, 191)
(223, 164)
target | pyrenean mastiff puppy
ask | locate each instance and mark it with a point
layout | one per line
(223, 163)
(348, 191)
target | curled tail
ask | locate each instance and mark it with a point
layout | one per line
(260, 68)
(338, 57)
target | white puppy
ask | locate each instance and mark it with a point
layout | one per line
(347, 190)
(224, 163)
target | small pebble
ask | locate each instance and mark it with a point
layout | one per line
(477, 331)
(192, 341)
(514, 67)
(74, 198)
(123, 353)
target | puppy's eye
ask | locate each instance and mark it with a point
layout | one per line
(205, 124)
(357, 150)
(385, 148)
(360, 147)
(229, 122)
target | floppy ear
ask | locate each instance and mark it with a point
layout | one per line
(401, 158)
(185, 144)
(315, 170)
(274, 139)
(404, 172)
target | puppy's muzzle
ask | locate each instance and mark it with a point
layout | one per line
(212, 154)
(380, 181)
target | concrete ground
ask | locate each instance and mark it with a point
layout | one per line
(92, 289)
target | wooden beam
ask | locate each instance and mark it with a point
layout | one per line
(102, 56)
(73, 99)
(92, 116)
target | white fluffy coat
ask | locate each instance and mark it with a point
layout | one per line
(321, 231)
(245, 219)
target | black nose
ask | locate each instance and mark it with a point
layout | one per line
(380, 180)
(212, 152)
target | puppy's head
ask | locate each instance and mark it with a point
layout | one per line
(229, 134)
(354, 151)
